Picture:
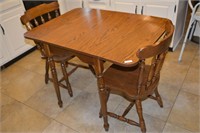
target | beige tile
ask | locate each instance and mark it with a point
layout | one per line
(185, 112)
(192, 82)
(16, 117)
(92, 87)
(188, 54)
(81, 78)
(152, 124)
(173, 74)
(56, 127)
(168, 91)
(32, 62)
(82, 114)
(45, 100)
(10, 73)
(24, 85)
(169, 128)
(196, 61)
(6, 100)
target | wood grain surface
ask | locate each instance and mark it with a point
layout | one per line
(107, 35)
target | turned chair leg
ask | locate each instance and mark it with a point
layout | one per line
(64, 66)
(158, 98)
(128, 108)
(46, 71)
(141, 119)
(107, 97)
(55, 80)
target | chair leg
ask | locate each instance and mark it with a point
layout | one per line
(158, 98)
(103, 111)
(107, 97)
(46, 71)
(141, 119)
(128, 108)
(63, 66)
(185, 39)
(55, 80)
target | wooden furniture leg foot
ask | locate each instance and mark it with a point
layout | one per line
(141, 119)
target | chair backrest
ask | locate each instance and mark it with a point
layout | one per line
(40, 14)
(148, 78)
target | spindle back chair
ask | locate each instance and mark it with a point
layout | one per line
(140, 82)
(37, 16)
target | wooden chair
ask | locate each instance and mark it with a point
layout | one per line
(39, 15)
(138, 83)
(195, 18)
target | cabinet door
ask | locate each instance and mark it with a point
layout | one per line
(4, 54)
(165, 9)
(98, 4)
(72, 4)
(129, 6)
(14, 32)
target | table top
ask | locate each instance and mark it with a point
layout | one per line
(107, 35)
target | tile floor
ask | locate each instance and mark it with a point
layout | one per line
(28, 105)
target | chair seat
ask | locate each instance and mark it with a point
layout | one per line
(126, 85)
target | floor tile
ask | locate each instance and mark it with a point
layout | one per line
(185, 112)
(82, 114)
(45, 100)
(23, 85)
(81, 78)
(168, 91)
(10, 73)
(56, 127)
(188, 54)
(169, 128)
(16, 117)
(173, 74)
(32, 62)
(192, 81)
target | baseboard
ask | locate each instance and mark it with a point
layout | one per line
(18, 58)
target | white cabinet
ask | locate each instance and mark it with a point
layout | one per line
(13, 43)
(71, 4)
(129, 6)
(67, 5)
(98, 4)
(165, 9)
(4, 54)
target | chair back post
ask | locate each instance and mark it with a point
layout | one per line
(157, 52)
